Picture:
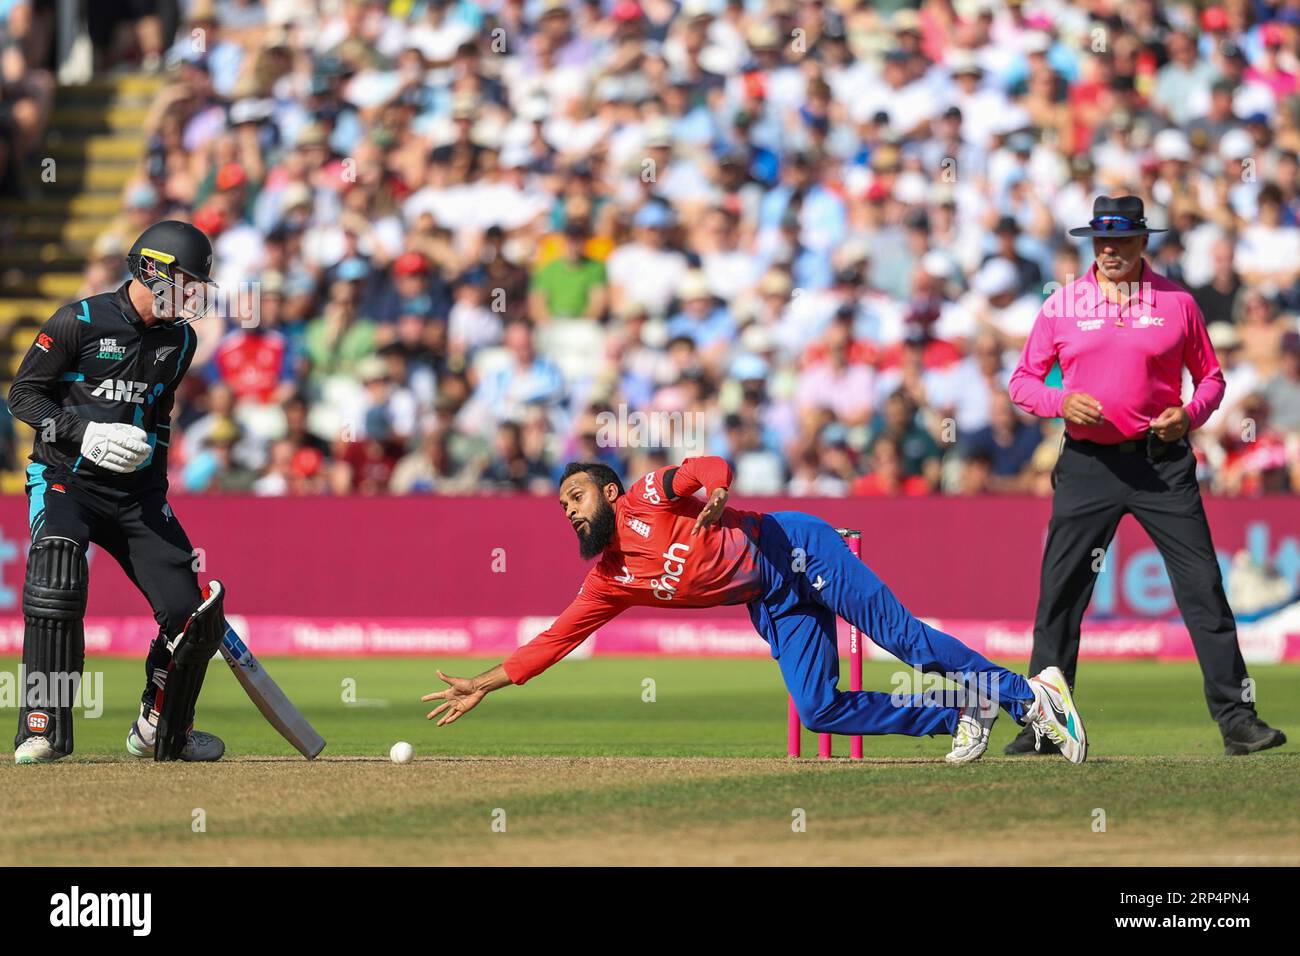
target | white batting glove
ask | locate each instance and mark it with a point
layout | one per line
(114, 446)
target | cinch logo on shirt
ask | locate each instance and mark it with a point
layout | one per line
(674, 567)
(639, 526)
(651, 492)
(120, 390)
(109, 349)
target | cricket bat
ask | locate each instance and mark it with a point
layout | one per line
(270, 700)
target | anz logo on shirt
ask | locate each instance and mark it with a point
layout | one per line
(120, 390)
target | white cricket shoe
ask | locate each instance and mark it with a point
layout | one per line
(972, 736)
(36, 750)
(1054, 716)
(201, 747)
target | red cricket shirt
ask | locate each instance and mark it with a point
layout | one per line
(655, 561)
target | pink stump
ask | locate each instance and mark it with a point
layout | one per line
(855, 651)
(794, 727)
(794, 730)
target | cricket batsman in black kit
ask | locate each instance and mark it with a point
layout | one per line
(97, 386)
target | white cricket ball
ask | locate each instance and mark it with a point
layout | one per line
(402, 752)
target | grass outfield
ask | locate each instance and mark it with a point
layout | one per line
(581, 769)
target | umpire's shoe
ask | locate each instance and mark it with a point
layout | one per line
(1024, 744)
(1251, 736)
(200, 747)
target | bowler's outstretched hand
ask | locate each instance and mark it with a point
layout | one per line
(463, 694)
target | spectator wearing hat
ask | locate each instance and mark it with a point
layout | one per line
(217, 468)
(1215, 26)
(387, 410)
(702, 319)
(982, 106)
(1268, 69)
(647, 270)
(1123, 336)
(1240, 380)
(415, 288)
(994, 302)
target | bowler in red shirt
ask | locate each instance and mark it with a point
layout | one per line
(658, 548)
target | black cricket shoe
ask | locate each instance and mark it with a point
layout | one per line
(1251, 736)
(1024, 744)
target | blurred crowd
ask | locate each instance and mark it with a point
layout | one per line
(816, 232)
(26, 88)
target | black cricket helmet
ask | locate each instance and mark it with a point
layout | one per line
(165, 249)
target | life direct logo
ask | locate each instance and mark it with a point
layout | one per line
(78, 909)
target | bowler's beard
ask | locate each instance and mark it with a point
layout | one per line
(599, 532)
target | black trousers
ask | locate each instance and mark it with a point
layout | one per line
(1096, 485)
(142, 535)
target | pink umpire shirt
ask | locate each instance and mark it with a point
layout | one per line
(1130, 358)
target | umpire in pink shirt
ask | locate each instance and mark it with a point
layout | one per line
(1123, 335)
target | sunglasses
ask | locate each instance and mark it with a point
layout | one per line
(1116, 223)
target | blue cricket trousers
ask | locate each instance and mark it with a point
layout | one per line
(812, 578)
